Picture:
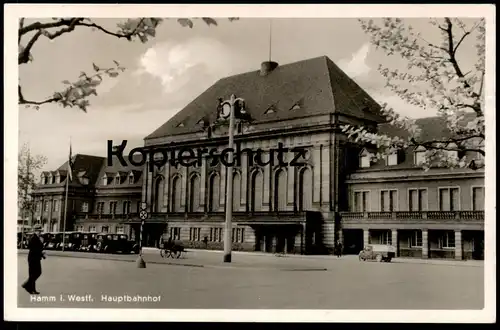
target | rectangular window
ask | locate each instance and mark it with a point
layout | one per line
(55, 206)
(447, 241)
(361, 201)
(120, 230)
(216, 234)
(92, 229)
(419, 157)
(417, 199)
(100, 207)
(112, 207)
(449, 199)
(131, 180)
(416, 239)
(126, 207)
(46, 206)
(478, 198)
(38, 206)
(388, 200)
(392, 159)
(365, 161)
(195, 234)
(85, 207)
(79, 228)
(175, 233)
(105, 229)
(117, 180)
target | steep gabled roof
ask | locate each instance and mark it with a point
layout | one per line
(117, 168)
(431, 128)
(90, 164)
(317, 85)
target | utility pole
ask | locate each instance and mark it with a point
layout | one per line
(228, 242)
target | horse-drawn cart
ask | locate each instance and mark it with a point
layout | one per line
(172, 250)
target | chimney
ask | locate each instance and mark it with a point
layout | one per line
(267, 67)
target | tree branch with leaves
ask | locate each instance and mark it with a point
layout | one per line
(77, 92)
(435, 80)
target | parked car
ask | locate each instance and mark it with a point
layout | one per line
(378, 252)
(54, 241)
(102, 242)
(73, 240)
(89, 240)
(114, 243)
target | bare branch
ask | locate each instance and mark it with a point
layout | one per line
(118, 35)
(24, 55)
(24, 101)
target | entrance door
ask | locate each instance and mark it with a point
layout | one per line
(353, 240)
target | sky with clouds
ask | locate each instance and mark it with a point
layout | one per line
(166, 73)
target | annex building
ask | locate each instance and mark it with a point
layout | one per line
(336, 192)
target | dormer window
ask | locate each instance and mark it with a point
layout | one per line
(270, 110)
(84, 180)
(43, 179)
(420, 155)
(131, 179)
(452, 153)
(50, 179)
(105, 180)
(180, 125)
(392, 159)
(57, 178)
(365, 159)
(117, 179)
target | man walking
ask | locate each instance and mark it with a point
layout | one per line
(338, 249)
(35, 256)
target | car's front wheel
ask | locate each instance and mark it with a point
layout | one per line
(379, 258)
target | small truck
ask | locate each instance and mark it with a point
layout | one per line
(378, 252)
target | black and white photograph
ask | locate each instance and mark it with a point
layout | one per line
(275, 163)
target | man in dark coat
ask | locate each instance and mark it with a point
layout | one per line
(35, 256)
(338, 249)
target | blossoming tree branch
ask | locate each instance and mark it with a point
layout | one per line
(434, 80)
(77, 91)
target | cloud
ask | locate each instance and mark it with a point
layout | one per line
(190, 66)
(356, 66)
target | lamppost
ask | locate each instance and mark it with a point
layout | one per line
(227, 108)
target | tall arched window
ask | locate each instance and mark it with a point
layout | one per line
(305, 189)
(280, 188)
(194, 193)
(176, 194)
(214, 185)
(159, 192)
(256, 191)
(236, 190)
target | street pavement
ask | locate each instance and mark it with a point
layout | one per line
(251, 281)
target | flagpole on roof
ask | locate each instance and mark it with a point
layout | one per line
(69, 176)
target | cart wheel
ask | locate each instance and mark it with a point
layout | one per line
(361, 258)
(379, 258)
(178, 254)
(162, 253)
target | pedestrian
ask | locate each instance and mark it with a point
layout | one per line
(35, 256)
(338, 249)
(205, 241)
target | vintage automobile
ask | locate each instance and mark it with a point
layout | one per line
(115, 243)
(73, 240)
(102, 242)
(378, 252)
(54, 241)
(89, 240)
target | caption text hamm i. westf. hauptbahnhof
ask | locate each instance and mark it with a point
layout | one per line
(186, 156)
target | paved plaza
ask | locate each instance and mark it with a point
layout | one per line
(202, 280)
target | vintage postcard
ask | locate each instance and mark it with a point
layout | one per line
(306, 163)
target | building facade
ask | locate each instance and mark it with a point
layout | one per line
(323, 188)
